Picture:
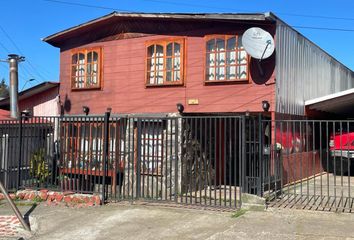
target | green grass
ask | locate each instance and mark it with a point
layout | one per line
(22, 203)
(239, 213)
(19, 202)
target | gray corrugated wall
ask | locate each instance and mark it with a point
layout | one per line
(304, 71)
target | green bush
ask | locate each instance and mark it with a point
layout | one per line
(38, 166)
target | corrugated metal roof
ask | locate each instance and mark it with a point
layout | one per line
(31, 91)
(339, 102)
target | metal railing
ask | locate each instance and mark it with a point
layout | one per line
(198, 160)
(187, 160)
(310, 164)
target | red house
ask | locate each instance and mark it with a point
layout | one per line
(147, 63)
(144, 64)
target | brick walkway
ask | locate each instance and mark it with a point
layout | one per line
(10, 226)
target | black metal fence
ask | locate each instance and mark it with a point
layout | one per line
(309, 164)
(187, 160)
(27, 152)
(199, 160)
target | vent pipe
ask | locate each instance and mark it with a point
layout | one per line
(13, 60)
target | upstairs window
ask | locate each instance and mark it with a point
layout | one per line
(86, 69)
(164, 63)
(226, 59)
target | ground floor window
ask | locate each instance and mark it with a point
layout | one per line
(82, 145)
(152, 135)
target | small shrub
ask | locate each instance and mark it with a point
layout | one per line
(38, 166)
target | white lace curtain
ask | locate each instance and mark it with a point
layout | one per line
(164, 63)
(226, 59)
(85, 69)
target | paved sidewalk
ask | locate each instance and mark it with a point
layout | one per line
(9, 226)
(117, 221)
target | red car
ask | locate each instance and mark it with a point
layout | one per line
(342, 150)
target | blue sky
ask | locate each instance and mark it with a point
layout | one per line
(24, 22)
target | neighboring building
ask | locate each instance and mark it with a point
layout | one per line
(4, 115)
(147, 63)
(40, 100)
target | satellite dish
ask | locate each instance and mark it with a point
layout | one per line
(258, 43)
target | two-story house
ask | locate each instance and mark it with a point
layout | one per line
(145, 64)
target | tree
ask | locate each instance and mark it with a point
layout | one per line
(4, 89)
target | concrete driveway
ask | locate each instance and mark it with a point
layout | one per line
(119, 221)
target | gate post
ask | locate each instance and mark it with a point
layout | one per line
(243, 184)
(260, 189)
(19, 153)
(138, 159)
(105, 153)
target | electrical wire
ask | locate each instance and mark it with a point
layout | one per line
(3, 46)
(233, 9)
(325, 29)
(86, 5)
(18, 49)
(197, 5)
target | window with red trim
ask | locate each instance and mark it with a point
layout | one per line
(152, 136)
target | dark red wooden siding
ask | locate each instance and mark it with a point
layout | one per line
(124, 83)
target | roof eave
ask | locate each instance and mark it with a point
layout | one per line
(179, 16)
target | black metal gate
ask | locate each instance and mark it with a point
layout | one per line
(185, 160)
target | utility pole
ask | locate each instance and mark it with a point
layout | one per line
(13, 60)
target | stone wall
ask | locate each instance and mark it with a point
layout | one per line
(155, 186)
(70, 199)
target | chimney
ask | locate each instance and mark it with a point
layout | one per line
(13, 62)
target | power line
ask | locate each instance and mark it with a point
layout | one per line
(326, 29)
(192, 5)
(21, 75)
(8, 37)
(6, 49)
(18, 49)
(197, 5)
(317, 16)
(44, 71)
(86, 5)
(233, 9)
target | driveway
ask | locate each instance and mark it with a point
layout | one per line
(125, 221)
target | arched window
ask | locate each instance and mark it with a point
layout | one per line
(85, 65)
(164, 63)
(226, 59)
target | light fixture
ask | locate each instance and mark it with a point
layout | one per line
(26, 114)
(109, 109)
(265, 105)
(180, 108)
(29, 80)
(86, 110)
